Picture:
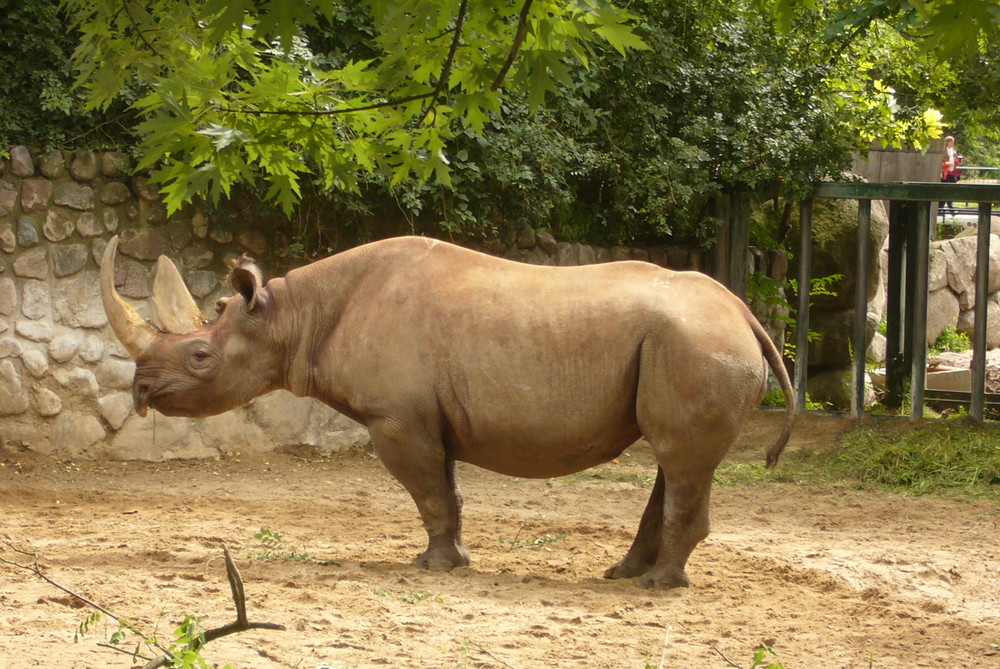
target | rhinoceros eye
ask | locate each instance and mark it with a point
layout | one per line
(201, 359)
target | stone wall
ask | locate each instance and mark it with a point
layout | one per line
(951, 287)
(64, 378)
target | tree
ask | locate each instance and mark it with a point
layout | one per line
(722, 102)
(236, 90)
(436, 109)
(948, 29)
(38, 104)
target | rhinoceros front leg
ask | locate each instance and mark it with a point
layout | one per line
(420, 464)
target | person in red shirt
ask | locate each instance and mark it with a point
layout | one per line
(949, 168)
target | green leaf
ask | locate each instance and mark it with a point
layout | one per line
(621, 37)
(225, 137)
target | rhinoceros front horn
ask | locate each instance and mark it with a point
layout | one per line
(175, 307)
(132, 330)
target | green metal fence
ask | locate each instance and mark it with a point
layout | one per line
(909, 246)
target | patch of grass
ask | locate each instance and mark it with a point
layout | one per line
(611, 476)
(274, 549)
(739, 473)
(945, 457)
(534, 542)
(414, 597)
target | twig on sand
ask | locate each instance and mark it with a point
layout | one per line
(241, 624)
(666, 646)
(491, 655)
(730, 662)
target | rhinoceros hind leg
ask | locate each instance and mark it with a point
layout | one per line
(419, 463)
(685, 524)
(646, 547)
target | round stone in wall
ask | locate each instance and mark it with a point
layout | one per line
(32, 264)
(115, 408)
(63, 347)
(77, 381)
(144, 244)
(88, 225)
(35, 195)
(10, 348)
(132, 279)
(114, 192)
(74, 195)
(253, 240)
(53, 164)
(27, 233)
(36, 362)
(109, 219)
(76, 301)
(8, 198)
(7, 240)
(92, 348)
(35, 302)
(59, 224)
(84, 166)
(47, 403)
(201, 282)
(13, 398)
(197, 256)
(221, 235)
(116, 374)
(115, 163)
(69, 259)
(21, 164)
(144, 189)
(8, 296)
(74, 433)
(37, 331)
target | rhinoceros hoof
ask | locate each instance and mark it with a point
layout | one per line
(442, 560)
(627, 569)
(664, 579)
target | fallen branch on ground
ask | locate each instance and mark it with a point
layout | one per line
(241, 624)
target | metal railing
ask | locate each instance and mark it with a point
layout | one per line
(906, 310)
(973, 174)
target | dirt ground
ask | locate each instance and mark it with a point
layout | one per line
(830, 577)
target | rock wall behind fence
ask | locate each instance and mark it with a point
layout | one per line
(65, 379)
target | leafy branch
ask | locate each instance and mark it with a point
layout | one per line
(522, 30)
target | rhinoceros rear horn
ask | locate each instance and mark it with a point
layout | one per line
(132, 330)
(174, 305)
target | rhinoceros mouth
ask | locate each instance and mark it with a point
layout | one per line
(165, 400)
(141, 398)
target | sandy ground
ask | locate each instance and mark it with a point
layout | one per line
(829, 577)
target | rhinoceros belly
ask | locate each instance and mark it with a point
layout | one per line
(542, 417)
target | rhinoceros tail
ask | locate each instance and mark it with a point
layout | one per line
(777, 365)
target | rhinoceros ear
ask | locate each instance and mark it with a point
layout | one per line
(247, 283)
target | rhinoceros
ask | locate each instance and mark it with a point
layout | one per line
(446, 354)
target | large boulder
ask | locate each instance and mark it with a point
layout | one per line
(834, 251)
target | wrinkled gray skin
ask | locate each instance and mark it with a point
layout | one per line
(450, 355)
